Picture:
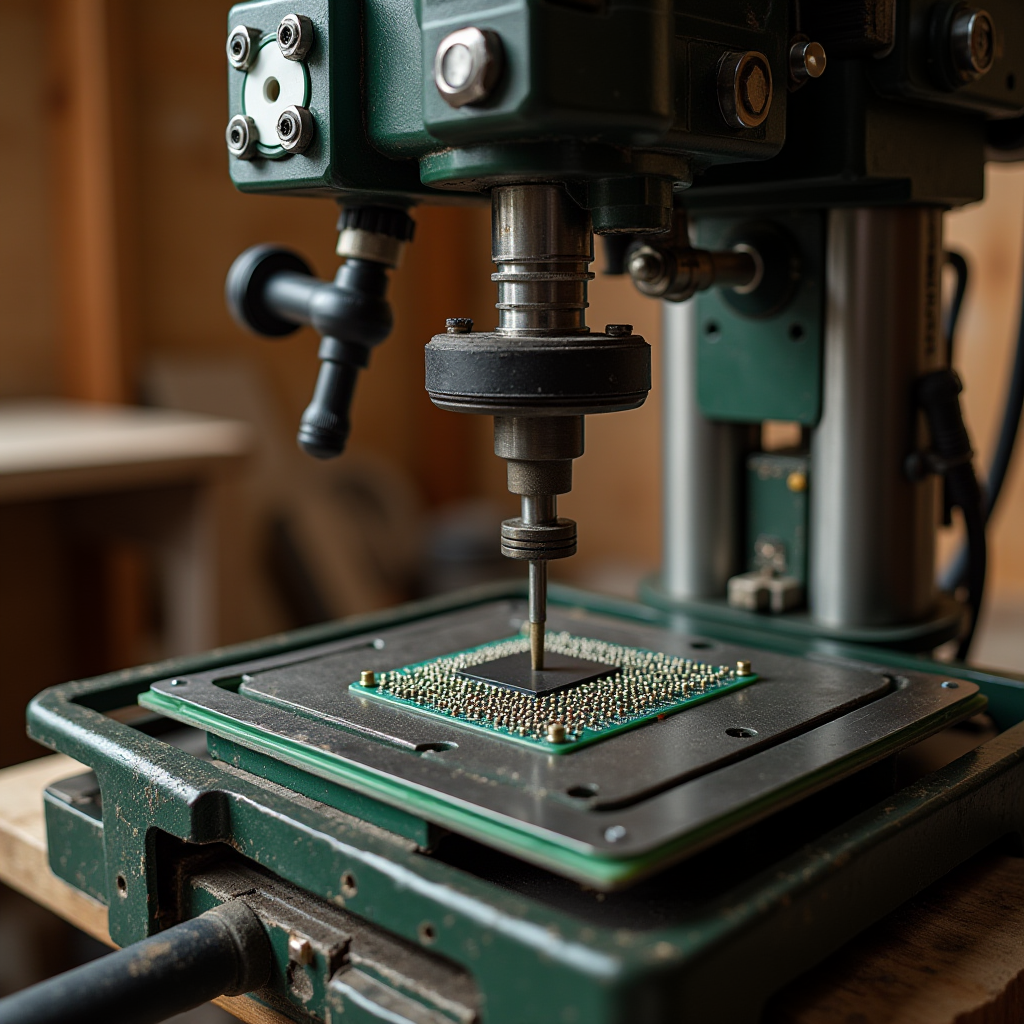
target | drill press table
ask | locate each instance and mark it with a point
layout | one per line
(953, 954)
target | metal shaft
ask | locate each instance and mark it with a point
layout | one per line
(538, 510)
(872, 530)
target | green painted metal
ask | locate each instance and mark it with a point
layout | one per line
(777, 496)
(383, 815)
(765, 368)
(533, 962)
(74, 840)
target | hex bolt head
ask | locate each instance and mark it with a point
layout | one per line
(295, 36)
(242, 47)
(647, 265)
(242, 137)
(619, 330)
(467, 66)
(295, 129)
(458, 325)
(806, 61)
(745, 89)
(972, 43)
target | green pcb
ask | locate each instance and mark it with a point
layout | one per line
(641, 686)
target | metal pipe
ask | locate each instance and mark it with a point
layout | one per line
(224, 951)
(872, 530)
(701, 472)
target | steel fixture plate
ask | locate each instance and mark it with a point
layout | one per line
(607, 813)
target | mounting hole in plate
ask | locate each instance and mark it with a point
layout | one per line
(741, 732)
(584, 791)
(436, 748)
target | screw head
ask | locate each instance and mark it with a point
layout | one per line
(242, 47)
(242, 137)
(806, 60)
(972, 43)
(459, 325)
(295, 129)
(295, 36)
(647, 265)
(467, 66)
(745, 89)
(618, 330)
(615, 834)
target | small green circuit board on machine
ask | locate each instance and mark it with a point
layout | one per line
(640, 686)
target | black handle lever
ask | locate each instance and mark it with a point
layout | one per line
(272, 291)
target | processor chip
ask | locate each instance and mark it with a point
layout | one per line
(639, 686)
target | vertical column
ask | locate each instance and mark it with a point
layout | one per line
(872, 531)
(701, 472)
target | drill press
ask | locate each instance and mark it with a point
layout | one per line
(453, 813)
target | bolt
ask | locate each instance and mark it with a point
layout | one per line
(458, 325)
(242, 48)
(950, 685)
(467, 66)
(242, 137)
(556, 732)
(367, 678)
(745, 89)
(618, 330)
(179, 682)
(806, 60)
(295, 129)
(647, 265)
(295, 36)
(972, 43)
(300, 949)
(743, 668)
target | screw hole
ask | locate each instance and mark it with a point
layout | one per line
(271, 89)
(796, 332)
(700, 645)
(122, 886)
(427, 933)
(741, 733)
(584, 791)
(712, 330)
(436, 748)
(348, 885)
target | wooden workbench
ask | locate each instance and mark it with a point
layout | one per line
(954, 955)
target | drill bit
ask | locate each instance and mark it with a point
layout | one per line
(538, 509)
(538, 612)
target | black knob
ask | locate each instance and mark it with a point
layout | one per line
(246, 288)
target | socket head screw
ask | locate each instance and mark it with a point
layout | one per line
(242, 137)
(295, 129)
(745, 89)
(619, 330)
(459, 325)
(295, 36)
(242, 47)
(467, 66)
(972, 43)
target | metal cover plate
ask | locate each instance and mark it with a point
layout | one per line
(608, 813)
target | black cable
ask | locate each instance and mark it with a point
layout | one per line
(956, 572)
(950, 456)
(959, 264)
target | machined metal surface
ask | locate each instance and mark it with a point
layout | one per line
(701, 485)
(543, 245)
(872, 531)
(673, 786)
